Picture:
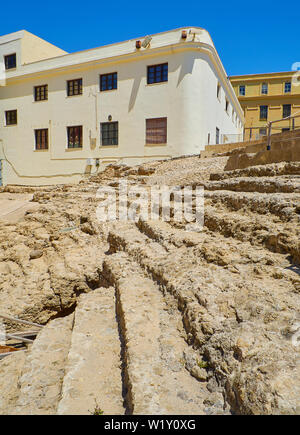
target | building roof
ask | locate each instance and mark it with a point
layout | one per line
(270, 76)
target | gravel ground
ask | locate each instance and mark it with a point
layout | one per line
(185, 171)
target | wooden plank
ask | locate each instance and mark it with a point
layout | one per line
(24, 322)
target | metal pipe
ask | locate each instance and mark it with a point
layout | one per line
(18, 338)
(24, 322)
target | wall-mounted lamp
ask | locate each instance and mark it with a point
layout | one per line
(109, 118)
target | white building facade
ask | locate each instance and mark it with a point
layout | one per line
(64, 116)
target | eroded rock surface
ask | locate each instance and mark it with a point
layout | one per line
(188, 321)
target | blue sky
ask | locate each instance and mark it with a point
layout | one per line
(251, 37)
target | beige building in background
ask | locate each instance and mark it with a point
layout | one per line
(268, 97)
(64, 116)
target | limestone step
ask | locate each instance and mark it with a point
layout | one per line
(256, 184)
(156, 356)
(93, 375)
(284, 205)
(282, 237)
(269, 170)
(10, 371)
(43, 372)
(202, 279)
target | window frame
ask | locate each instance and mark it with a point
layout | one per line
(284, 107)
(79, 87)
(45, 92)
(39, 146)
(109, 139)
(260, 112)
(8, 117)
(114, 81)
(265, 131)
(227, 106)
(262, 88)
(150, 139)
(80, 146)
(6, 56)
(242, 94)
(290, 87)
(156, 78)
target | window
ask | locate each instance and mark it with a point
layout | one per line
(157, 73)
(262, 131)
(156, 131)
(217, 135)
(286, 110)
(11, 117)
(263, 112)
(242, 90)
(41, 139)
(285, 129)
(264, 88)
(75, 137)
(226, 105)
(10, 61)
(108, 81)
(74, 87)
(287, 87)
(109, 133)
(218, 91)
(41, 93)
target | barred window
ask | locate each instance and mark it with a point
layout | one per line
(108, 81)
(11, 117)
(10, 61)
(263, 112)
(109, 133)
(74, 87)
(75, 136)
(264, 88)
(286, 110)
(287, 87)
(41, 139)
(157, 73)
(156, 130)
(41, 93)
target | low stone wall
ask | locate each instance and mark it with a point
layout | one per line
(252, 156)
(253, 146)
